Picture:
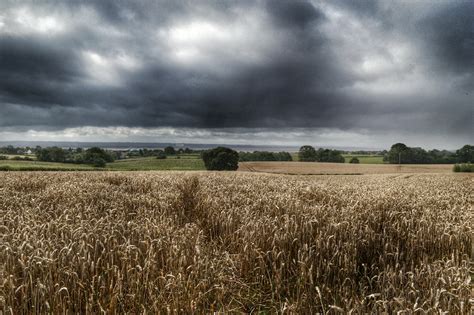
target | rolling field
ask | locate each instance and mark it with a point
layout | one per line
(317, 168)
(203, 242)
(12, 165)
(184, 163)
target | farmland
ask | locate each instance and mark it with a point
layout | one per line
(317, 168)
(194, 163)
(364, 158)
(12, 165)
(185, 163)
(184, 242)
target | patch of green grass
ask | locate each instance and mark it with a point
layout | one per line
(184, 163)
(464, 168)
(364, 159)
(152, 163)
(11, 165)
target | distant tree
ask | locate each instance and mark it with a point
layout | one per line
(307, 154)
(97, 157)
(283, 156)
(354, 160)
(220, 159)
(53, 154)
(465, 154)
(398, 152)
(327, 155)
(418, 156)
(116, 155)
(442, 156)
(264, 156)
(98, 162)
(9, 150)
(170, 150)
(160, 154)
(188, 151)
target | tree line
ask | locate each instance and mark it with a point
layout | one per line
(401, 153)
(99, 157)
(11, 150)
(161, 153)
(264, 156)
(308, 153)
(94, 156)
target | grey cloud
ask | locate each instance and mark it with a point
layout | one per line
(289, 68)
(34, 72)
(293, 13)
(450, 36)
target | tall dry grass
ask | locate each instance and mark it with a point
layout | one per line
(182, 243)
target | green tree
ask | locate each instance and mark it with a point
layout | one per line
(327, 155)
(96, 155)
(398, 153)
(221, 159)
(307, 154)
(53, 154)
(160, 155)
(354, 160)
(98, 162)
(169, 150)
(465, 154)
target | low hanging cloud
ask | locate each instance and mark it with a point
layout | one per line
(400, 69)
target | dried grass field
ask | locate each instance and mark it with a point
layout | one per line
(317, 168)
(197, 242)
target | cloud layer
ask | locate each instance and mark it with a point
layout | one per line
(382, 67)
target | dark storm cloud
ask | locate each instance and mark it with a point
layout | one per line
(242, 64)
(35, 72)
(449, 34)
(293, 13)
(445, 30)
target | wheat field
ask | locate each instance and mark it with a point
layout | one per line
(320, 168)
(197, 242)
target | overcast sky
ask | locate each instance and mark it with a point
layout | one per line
(341, 73)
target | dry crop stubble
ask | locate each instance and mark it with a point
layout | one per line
(322, 168)
(202, 242)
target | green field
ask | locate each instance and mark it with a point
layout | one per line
(11, 165)
(365, 159)
(184, 163)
